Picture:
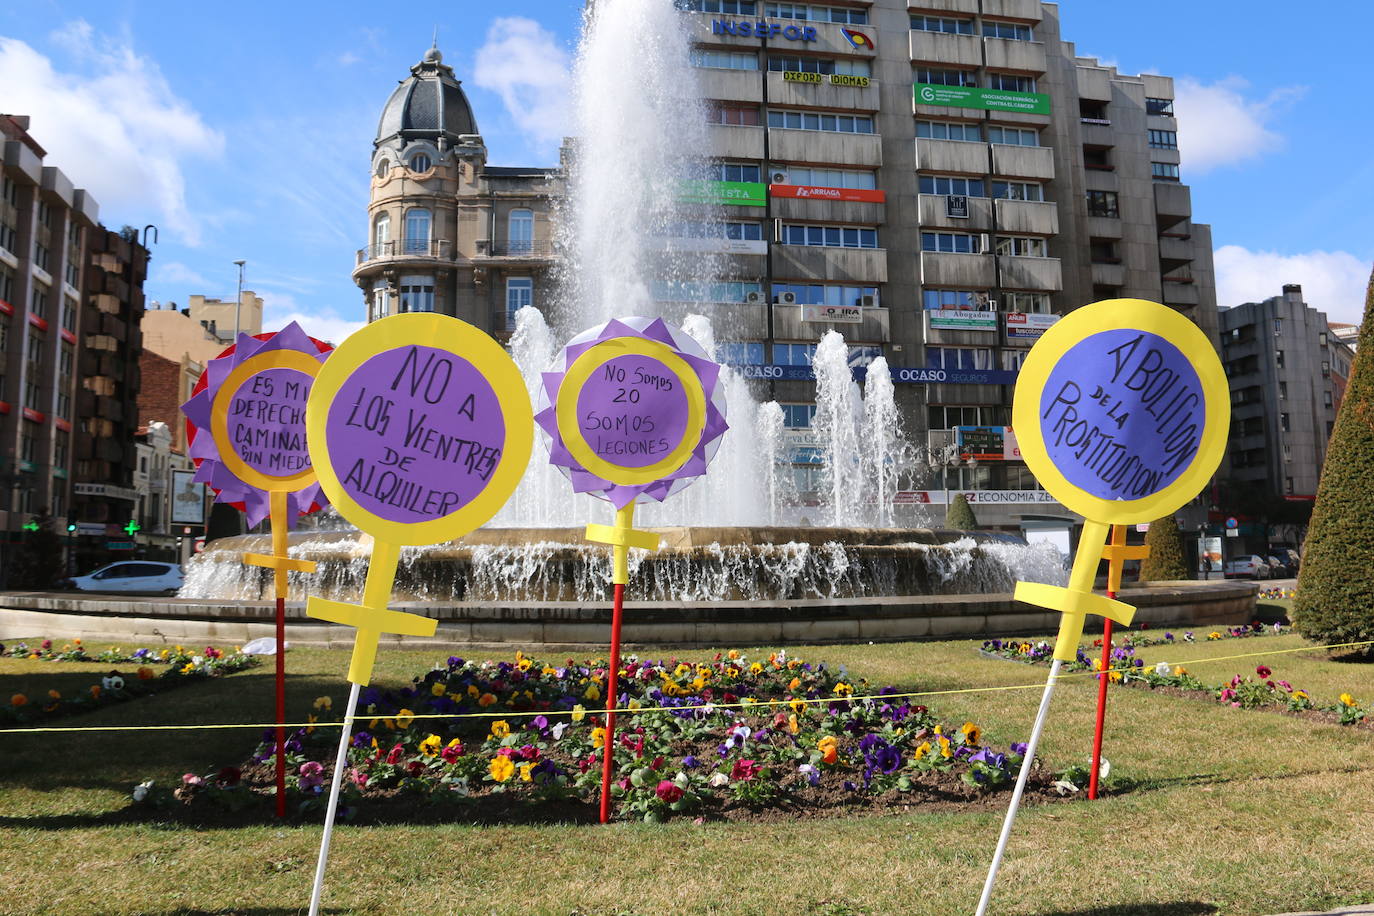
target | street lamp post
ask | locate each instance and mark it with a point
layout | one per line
(238, 300)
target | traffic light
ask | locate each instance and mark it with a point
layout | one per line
(71, 528)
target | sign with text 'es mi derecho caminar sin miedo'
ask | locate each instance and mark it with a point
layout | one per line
(1121, 410)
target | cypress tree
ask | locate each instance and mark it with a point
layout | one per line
(960, 514)
(1166, 559)
(1335, 601)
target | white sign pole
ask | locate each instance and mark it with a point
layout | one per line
(340, 762)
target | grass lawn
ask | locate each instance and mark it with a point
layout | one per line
(1229, 811)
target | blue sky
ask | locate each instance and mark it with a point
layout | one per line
(244, 130)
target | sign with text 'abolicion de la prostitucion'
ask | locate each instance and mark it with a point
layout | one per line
(1121, 411)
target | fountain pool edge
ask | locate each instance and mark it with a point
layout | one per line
(586, 625)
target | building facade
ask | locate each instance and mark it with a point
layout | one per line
(938, 180)
(1287, 373)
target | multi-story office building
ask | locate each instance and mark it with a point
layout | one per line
(936, 179)
(447, 232)
(1287, 373)
(70, 296)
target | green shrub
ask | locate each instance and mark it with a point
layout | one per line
(960, 515)
(1335, 601)
(1166, 559)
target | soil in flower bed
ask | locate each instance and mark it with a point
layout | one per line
(723, 739)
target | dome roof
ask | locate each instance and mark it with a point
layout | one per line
(427, 105)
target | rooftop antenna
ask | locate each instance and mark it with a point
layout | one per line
(435, 43)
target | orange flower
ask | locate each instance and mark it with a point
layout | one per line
(793, 684)
(830, 749)
(486, 699)
(145, 673)
(18, 700)
(95, 691)
(792, 725)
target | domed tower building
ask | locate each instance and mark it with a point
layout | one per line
(446, 232)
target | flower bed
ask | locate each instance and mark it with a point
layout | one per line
(1261, 690)
(726, 738)
(182, 667)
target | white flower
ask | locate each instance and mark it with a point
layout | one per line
(113, 682)
(141, 790)
(1104, 768)
(1065, 787)
(197, 660)
(558, 731)
(1163, 669)
(719, 779)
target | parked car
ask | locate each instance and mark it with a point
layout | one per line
(1286, 560)
(131, 576)
(1251, 566)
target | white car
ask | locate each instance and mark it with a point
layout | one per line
(1251, 566)
(131, 576)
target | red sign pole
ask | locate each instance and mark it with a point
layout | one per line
(612, 691)
(1116, 553)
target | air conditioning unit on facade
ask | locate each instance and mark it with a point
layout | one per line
(778, 178)
(787, 298)
(753, 297)
(868, 302)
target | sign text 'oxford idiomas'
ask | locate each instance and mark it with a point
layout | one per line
(1123, 414)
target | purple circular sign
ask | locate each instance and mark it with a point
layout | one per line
(267, 422)
(1122, 414)
(632, 411)
(415, 434)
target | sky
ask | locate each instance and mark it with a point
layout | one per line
(244, 131)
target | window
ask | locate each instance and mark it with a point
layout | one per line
(823, 294)
(1098, 158)
(816, 65)
(1018, 190)
(1278, 358)
(725, 60)
(740, 354)
(378, 304)
(420, 162)
(1326, 366)
(798, 416)
(945, 77)
(381, 233)
(1166, 170)
(732, 115)
(703, 291)
(1013, 136)
(1160, 107)
(793, 354)
(1327, 400)
(948, 417)
(941, 184)
(1163, 139)
(1012, 359)
(28, 450)
(697, 229)
(1021, 246)
(1013, 30)
(519, 293)
(1283, 391)
(520, 231)
(383, 166)
(1008, 82)
(6, 284)
(1091, 111)
(1037, 303)
(69, 314)
(1103, 203)
(59, 456)
(417, 294)
(1278, 327)
(417, 231)
(735, 171)
(72, 270)
(815, 13)
(863, 355)
(39, 300)
(1103, 251)
(830, 236)
(959, 357)
(40, 242)
(9, 217)
(806, 120)
(737, 7)
(956, 242)
(1283, 422)
(964, 299)
(831, 178)
(947, 130)
(941, 24)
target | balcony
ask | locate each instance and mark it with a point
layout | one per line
(1028, 10)
(1011, 54)
(859, 266)
(819, 210)
(958, 156)
(1105, 274)
(400, 249)
(1035, 162)
(825, 94)
(1095, 133)
(1031, 273)
(1173, 202)
(733, 85)
(536, 250)
(932, 214)
(1174, 253)
(740, 320)
(1094, 83)
(945, 48)
(824, 148)
(1176, 293)
(730, 142)
(789, 324)
(1104, 227)
(946, 6)
(962, 271)
(1027, 216)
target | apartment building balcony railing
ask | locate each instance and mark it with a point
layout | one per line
(441, 249)
(528, 248)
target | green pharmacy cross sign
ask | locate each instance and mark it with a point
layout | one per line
(132, 528)
(30, 525)
(985, 99)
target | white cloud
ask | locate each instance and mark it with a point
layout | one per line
(176, 273)
(1332, 281)
(111, 123)
(523, 63)
(280, 309)
(1218, 125)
